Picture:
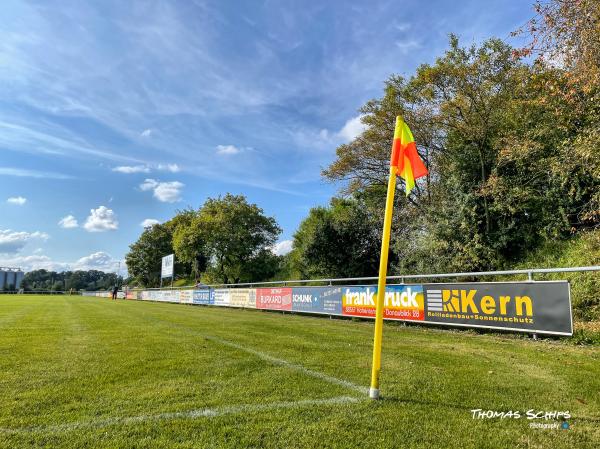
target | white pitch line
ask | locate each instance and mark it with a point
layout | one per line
(291, 365)
(191, 414)
(277, 361)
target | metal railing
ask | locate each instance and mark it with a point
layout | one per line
(530, 272)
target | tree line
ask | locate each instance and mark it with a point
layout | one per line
(227, 240)
(44, 280)
(509, 135)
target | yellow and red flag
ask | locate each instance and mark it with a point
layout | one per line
(406, 163)
(405, 157)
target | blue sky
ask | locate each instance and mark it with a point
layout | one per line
(117, 112)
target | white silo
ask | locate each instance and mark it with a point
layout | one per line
(10, 280)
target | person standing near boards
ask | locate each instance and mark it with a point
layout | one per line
(115, 291)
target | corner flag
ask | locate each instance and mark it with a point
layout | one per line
(406, 162)
(405, 156)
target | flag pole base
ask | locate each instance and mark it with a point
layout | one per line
(374, 393)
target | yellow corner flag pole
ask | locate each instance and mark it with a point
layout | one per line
(406, 162)
(383, 262)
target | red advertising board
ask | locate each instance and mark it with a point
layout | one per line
(274, 298)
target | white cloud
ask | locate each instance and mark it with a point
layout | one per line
(149, 222)
(96, 261)
(406, 46)
(128, 169)
(403, 26)
(23, 173)
(197, 89)
(325, 139)
(40, 136)
(352, 129)
(324, 134)
(283, 247)
(228, 149)
(146, 133)
(100, 220)
(173, 168)
(17, 200)
(148, 184)
(34, 262)
(68, 222)
(166, 192)
(14, 241)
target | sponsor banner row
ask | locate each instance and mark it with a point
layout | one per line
(401, 302)
(120, 295)
(541, 307)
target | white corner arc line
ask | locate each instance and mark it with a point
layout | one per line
(190, 414)
(291, 365)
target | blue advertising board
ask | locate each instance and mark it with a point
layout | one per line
(204, 296)
(327, 300)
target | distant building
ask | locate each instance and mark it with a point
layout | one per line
(10, 278)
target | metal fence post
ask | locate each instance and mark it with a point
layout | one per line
(530, 279)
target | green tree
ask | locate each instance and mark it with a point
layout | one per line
(76, 280)
(456, 109)
(498, 144)
(341, 240)
(287, 268)
(236, 238)
(189, 246)
(471, 91)
(566, 33)
(565, 39)
(145, 255)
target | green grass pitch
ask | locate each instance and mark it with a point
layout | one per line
(89, 372)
